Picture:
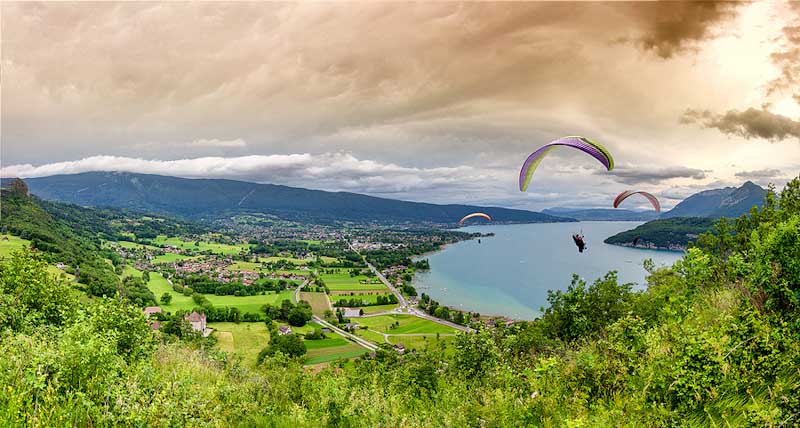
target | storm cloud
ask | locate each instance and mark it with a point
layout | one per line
(674, 27)
(635, 175)
(751, 123)
(759, 174)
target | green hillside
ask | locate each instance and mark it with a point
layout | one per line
(712, 341)
(671, 233)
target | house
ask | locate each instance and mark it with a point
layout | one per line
(351, 326)
(155, 326)
(285, 329)
(198, 322)
(150, 310)
(352, 312)
(61, 266)
(326, 331)
(400, 348)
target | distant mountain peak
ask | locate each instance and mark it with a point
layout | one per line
(725, 202)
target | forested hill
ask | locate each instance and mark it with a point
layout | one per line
(602, 214)
(210, 198)
(664, 234)
(56, 241)
(694, 215)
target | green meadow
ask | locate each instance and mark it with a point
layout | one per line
(172, 257)
(334, 347)
(369, 298)
(408, 324)
(202, 246)
(342, 281)
(11, 243)
(245, 339)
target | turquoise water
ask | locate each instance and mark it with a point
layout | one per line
(509, 274)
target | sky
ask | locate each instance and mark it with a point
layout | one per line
(436, 102)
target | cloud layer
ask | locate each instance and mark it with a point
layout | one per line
(424, 101)
(751, 123)
(330, 171)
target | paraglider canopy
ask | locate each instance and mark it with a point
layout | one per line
(469, 216)
(624, 195)
(581, 143)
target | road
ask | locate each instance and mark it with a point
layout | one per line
(400, 298)
(414, 311)
(323, 323)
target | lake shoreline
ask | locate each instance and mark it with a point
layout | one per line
(508, 276)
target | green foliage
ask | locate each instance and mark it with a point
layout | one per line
(30, 296)
(166, 298)
(670, 233)
(287, 344)
(713, 341)
(583, 312)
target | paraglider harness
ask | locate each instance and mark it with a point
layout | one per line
(578, 238)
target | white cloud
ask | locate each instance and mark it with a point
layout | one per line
(329, 171)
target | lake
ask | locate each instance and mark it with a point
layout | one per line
(509, 273)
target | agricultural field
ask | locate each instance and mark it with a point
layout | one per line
(369, 298)
(421, 342)
(10, 244)
(214, 247)
(134, 245)
(292, 260)
(409, 324)
(253, 266)
(342, 281)
(245, 339)
(318, 301)
(334, 347)
(378, 308)
(172, 257)
(249, 303)
(328, 260)
(159, 285)
(13, 243)
(371, 336)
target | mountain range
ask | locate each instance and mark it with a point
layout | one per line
(693, 216)
(601, 214)
(713, 203)
(716, 203)
(216, 198)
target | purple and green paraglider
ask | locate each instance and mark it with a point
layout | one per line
(581, 143)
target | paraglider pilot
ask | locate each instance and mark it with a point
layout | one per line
(578, 238)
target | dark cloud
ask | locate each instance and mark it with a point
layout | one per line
(759, 174)
(672, 27)
(631, 175)
(787, 58)
(751, 123)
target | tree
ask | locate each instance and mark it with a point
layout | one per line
(298, 316)
(287, 344)
(166, 298)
